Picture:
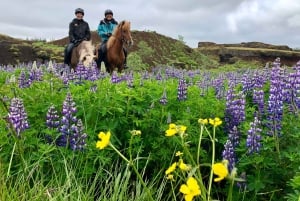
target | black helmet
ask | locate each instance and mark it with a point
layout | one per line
(108, 11)
(79, 10)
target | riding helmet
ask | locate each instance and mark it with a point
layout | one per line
(79, 10)
(108, 11)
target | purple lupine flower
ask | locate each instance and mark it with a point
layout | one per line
(78, 137)
(158, 76)
(93, 72)
(218, 85)
(191, 73)
(259, 79)
(71, 76)
(234, 136)
(114, 77)
(65, 78)
(292, 89)
(35, 74)
(258, 99)
(23, 82)
(163, 100)
(253, 139)
(52, 118)
(229, 154)
(275, 102)
(235, 111)
(130, 80)
(68, 120)
(81, 72)
(182, 90)
(247, 83)
(17, 116)
(234, 78)
(169, 72)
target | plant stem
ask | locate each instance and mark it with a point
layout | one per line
(119, 153)
(229, 197)
(199, 145)
(212, 162)
(130, 163)
(10, 161)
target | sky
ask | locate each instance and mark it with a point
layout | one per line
(274, 22)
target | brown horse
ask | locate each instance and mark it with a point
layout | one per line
(84, 53)
(115, 56)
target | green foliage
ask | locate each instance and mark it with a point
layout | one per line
(144, 49)
(135, 62)
(47, 51)
(32, 169)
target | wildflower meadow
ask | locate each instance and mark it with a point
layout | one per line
(228, 134)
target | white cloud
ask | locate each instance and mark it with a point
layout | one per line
(230, 21)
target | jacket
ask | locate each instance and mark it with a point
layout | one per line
(79, 30)
(106, 28)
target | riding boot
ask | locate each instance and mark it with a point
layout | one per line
(100, 57)
(68, 53)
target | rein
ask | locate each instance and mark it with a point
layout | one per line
(122, 39)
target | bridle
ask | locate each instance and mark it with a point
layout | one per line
(123, 39)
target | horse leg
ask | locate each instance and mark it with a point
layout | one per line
(107, 67)
(125, 59)
(101, 54)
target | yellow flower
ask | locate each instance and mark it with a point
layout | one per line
(183, 166)
(174, 129)
(220, 169)
(190, 189)
(172, 126)
(203, 121)
(171, 168)
(104, 140)
(182, 128)
(135, 132)
(171, 132)
(170, 177)
(215, 122)
(178, 153)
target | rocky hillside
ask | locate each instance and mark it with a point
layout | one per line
(230, 53)
(154, 49)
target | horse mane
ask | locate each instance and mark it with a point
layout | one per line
(85, 48)
(123, 24)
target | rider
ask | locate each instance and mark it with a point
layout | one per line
(105, 30)
(79, 30)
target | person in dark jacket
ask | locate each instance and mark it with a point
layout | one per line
(79, 30)
(105, 30)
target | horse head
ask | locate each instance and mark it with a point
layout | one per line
(125, 33)
(86, 53)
